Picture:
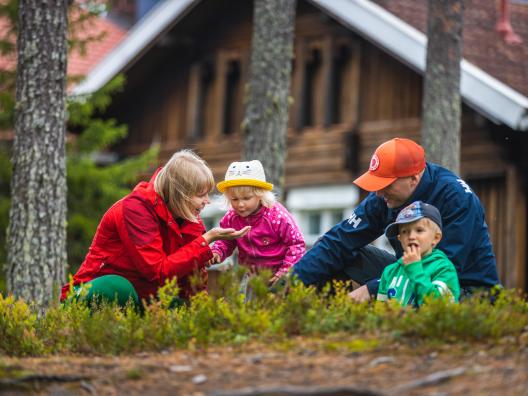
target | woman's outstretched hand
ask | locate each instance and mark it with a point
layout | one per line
(214, 234)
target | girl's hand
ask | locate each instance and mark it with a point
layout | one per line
(214, 260)
(274, 280)
(411, 254)
(217, 233)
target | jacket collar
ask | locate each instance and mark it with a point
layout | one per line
(147, 191)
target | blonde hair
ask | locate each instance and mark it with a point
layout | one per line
(184, 176)
(428, 222)
(433, 225)
(267, 198)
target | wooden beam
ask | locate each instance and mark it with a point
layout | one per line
(299, 86)
(219, 94)
(194, 100)
(327, 97)
(515, 233)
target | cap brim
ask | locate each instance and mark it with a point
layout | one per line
(392, 229)
(243, 182)
(368, 181)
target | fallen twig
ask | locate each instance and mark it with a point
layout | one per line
(32, 378)
(431, 379)
(298, 391)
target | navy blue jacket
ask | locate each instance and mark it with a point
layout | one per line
(465, 239)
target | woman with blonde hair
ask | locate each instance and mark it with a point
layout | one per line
(152, 235)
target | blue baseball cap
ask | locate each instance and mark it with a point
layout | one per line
(415, 211)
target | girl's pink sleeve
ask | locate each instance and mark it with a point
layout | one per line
(292, 237)
(224, 248)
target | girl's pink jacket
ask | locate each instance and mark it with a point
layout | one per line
(274, 240)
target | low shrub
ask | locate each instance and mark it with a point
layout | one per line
(228, 318)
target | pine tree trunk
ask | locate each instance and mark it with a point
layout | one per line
(442, 104)
(266, 114)
(36, 244)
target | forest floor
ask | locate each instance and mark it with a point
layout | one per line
(303, 367)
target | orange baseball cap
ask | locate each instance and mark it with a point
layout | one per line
(395, 158)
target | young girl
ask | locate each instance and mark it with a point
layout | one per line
(274, 240)
(152, 235)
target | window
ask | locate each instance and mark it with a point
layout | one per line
(340, 66)
(312, 74)
(319, 208)
(204, 93)
(314, 223)
(233, 98)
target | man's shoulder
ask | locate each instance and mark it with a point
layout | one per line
(447, 184)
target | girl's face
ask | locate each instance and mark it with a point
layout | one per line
(419, 234)
(244, 204)
(198, 202)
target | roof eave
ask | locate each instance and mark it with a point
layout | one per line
(487, 95)
(142, 35)
(484, 93)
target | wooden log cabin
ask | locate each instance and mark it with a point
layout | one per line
(356, 82)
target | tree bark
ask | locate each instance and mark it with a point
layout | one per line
(36, 243)
(266, 112)
(441, 109)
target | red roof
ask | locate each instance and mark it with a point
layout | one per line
(483, 45)
(80, 64)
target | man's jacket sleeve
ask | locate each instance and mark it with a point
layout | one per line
(338, 247)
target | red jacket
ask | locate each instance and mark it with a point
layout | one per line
(139, 239)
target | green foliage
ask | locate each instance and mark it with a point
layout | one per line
(92, 189)
(18, 328)
(332, 318)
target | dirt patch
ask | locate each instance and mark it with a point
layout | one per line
(256, 370)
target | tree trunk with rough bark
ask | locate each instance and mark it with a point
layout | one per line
(441, 111)
(266, 112)
(36, 244)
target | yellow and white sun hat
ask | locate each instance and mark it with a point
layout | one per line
(245, 173)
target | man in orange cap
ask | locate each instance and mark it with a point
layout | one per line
(398, 175)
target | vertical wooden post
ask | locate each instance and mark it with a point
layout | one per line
(194, 101)
(219, 94)
(326, 100)
(299, 85)
(515, 231)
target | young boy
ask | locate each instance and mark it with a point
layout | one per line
(422, 270)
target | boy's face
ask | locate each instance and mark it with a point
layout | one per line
(418, 236)
(244, 204)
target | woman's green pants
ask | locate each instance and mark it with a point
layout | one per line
(108, 288)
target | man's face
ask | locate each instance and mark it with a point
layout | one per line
(398, 192)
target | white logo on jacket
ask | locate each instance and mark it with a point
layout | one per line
(465, 186)
(354, 220)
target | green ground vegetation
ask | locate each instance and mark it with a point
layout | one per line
(223, 317)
